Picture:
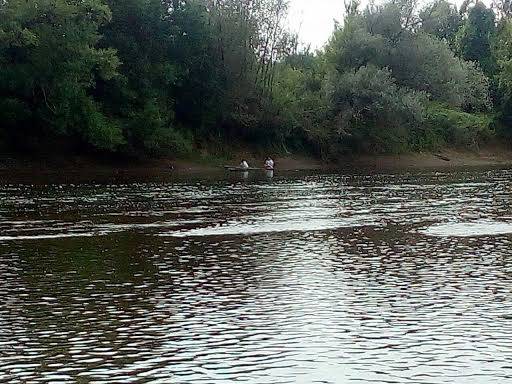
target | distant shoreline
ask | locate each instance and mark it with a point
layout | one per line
(14, 168)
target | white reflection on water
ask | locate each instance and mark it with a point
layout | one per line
(471, 229)
(51, 236)
(251, 228)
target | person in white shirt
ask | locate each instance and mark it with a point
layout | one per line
(269, 163)
(244, 164)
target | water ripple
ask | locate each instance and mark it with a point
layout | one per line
(393, 278)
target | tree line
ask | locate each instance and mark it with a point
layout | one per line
(173, 77)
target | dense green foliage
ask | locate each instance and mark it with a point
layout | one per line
(50, 62)
(382, 73)
(174, 77)
(442, 20)
(476, 36)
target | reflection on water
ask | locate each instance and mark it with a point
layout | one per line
(470, 229)
(306, 279)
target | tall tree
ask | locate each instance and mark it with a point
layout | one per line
(503, 8)
(475, 38)
(50, 63)
(442, 20)
(144, 33)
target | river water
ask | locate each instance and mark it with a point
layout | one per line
(303, 278)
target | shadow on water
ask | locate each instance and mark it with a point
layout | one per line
(292, 279)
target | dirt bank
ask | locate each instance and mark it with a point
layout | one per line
(489, 157)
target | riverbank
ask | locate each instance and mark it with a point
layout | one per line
(450, 158)
(488, 157)
(491, 157)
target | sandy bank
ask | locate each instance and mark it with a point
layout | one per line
(491, 157)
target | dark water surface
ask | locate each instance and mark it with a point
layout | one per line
(403, 278)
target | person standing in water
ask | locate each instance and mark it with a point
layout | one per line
(269, 164)
(244, 164)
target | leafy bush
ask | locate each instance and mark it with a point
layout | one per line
(371, 111)
(446, 126)
(299, 102)
(417, 60)
(152, 132)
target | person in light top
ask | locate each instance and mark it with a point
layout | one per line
(269, 163)
(244, 164)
